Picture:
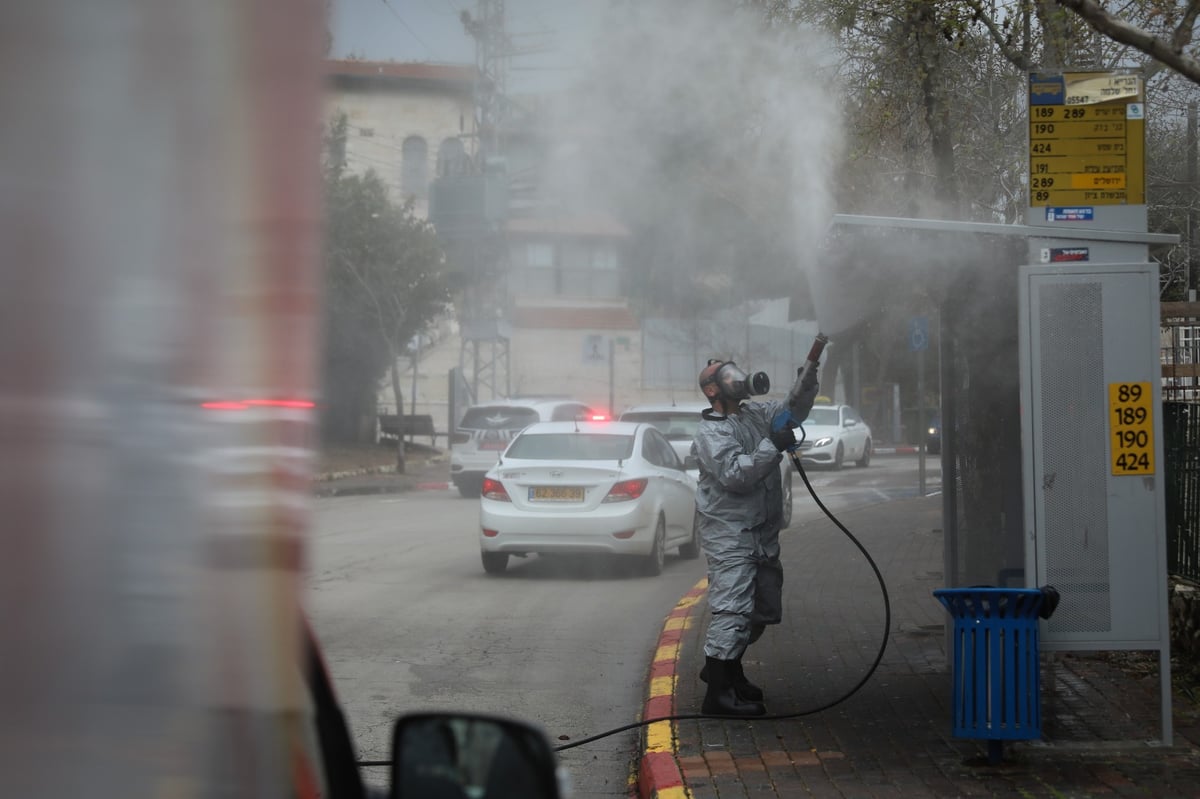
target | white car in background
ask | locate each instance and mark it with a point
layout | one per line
(678, 422)
(834, 434)
(485, 430)
(613, 488)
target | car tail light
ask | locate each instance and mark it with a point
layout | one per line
(494, 489)
(599, 417)
(490, 533)
(627, 490)
(624, 534)
(241, 405)
(460, 438)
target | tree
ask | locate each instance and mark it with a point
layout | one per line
(1169, 29)
(384, 283)
(904, 64)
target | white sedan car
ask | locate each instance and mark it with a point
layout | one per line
(834, 434)
(576, 487)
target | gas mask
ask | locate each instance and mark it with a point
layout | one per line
(734, 384)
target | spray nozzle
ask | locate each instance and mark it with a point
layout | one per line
(814, 357)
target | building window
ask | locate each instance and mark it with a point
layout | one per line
(538, 277)
(540, 255)
(452, 158)
(414, 167)
(604, 257)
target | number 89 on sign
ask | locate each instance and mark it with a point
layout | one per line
(1131, 420)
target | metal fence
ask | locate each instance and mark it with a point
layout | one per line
(1180, 356)
(1179, 351)
(1181, 435)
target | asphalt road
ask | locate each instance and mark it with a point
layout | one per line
(409, 621)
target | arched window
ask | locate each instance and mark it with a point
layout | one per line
(414, 167)
(452, 158)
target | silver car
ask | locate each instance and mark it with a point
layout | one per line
(485, 430)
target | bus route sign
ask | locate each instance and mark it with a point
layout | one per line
(1086, 139)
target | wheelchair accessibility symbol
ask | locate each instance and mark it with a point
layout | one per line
(918, 334)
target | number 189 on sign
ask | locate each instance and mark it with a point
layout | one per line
(1131, 422)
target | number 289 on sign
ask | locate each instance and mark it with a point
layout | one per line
(1131, 420)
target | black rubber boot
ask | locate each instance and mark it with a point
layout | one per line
(746, 690)
(721, 699)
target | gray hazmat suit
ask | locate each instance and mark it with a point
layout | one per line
(739, 500)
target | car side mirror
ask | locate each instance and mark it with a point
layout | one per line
(691, 462)
(461, 755)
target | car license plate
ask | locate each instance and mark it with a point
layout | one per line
(556, 494)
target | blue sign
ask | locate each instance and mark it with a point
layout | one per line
(1046, 89)
(1083, 214)
(918, 334)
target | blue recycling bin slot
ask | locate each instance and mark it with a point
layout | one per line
(996, 676)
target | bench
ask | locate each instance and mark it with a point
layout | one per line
(409, 425)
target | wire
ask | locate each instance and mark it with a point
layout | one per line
(411, 32)
(887, 627)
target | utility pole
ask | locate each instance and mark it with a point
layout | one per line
(481, 244)
(493, 49)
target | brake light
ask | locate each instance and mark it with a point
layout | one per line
(241, 405)
(494, 489)
(598, 417)
(627, 490)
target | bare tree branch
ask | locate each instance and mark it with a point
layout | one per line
(1014, 56)
(1168, 52)
(1186, 28)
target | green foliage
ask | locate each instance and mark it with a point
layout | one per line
(384, 284)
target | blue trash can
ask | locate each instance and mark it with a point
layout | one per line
(996, 677)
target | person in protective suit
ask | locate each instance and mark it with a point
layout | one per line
(739, 501)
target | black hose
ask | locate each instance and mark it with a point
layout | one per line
(887, 627)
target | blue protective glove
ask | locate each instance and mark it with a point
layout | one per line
(783, 437)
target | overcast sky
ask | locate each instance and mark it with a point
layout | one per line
(430, 30)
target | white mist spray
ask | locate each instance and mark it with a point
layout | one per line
(692, 111)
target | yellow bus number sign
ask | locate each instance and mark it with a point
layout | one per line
(1131, 422)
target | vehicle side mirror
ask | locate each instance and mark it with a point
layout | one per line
(691, 462)
(461, 755)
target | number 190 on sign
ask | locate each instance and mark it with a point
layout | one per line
(1131, 422)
